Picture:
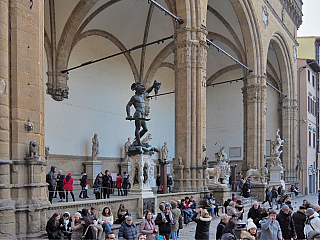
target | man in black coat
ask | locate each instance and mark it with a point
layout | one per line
(286, 223)
(51, 180)
(255, 214)
(60, 185)
(158, 183)
(299, 219)
(274, 196)
(224, 220)
(107, 184)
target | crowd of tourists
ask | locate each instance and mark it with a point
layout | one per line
(61, 185)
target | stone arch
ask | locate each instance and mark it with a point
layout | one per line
(223, 71)
(156, 63)
(167, 64)
(113, 39)
(288, 104)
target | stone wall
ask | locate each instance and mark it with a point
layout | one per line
(73, 164)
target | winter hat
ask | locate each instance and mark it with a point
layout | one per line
(285, 207)
(310, 211)
(69, 174)
(302, 207)
(251, 224)
(60, 171)
(224, 216)
(77, 214)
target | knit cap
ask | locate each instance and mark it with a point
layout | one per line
(251, 224)
(310, 211)
(285, 207)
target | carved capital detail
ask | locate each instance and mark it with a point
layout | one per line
(57, 85)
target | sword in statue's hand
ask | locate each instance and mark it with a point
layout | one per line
(130, 118)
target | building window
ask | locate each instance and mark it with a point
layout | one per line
(308, 104)
(314, 140)
(313, 81)
(308, 76)
(310, 139)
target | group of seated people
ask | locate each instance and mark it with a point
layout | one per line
(85, 224)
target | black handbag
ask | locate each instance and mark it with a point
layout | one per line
(180, 223)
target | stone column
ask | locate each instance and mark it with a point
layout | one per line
(190, 72)
(7, 209)
(289, 134)
(29, 189)
(254, 100)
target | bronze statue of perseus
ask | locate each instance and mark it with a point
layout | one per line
(137, 101)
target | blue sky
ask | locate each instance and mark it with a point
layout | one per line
(311, 18)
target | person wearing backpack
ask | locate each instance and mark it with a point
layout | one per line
(51, 180)
(125, 183)
(147, 227)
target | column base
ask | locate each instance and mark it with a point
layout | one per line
(221, 192)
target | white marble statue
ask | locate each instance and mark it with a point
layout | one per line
(95, 147)
(259, 175)
(276, 144)
(164, 152)
(214, 174)
(147, 139)
(126, 148)
(221, 156)
(275, 153)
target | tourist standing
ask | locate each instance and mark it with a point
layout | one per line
(270, 227)
(119, 184)
(299, 219)
(147, 227)
(97, 186)
(286, 223)
(68, 186)
(165, 223)
(176, 212)
(158, 183)
(313, 221)
(223, 222)
(107, 184)
(203, 224)
(255, 214)
(125, 183)
(51, 180)
(268, 196)
(274, 196)
(169, 182)
(84, 184)
(60, 185)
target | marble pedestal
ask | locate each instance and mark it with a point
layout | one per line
(92, 169)
(276, 176)
(221, 192)
(141, 175)
(258, 190)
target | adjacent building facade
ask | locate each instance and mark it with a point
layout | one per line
(308, 108)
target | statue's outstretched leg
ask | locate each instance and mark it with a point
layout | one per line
(137, 132)
(144, 128)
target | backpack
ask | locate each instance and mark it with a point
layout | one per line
(126, 180)
(160, 237)
(48, 178)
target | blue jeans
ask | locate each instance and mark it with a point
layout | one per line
(174, 235)
(274, 201)
(211, 209)
(187, 215)
(106, 227)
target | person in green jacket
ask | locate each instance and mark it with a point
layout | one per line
(176, 212)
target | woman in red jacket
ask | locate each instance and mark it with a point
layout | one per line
(119, 184)
(68, 181)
